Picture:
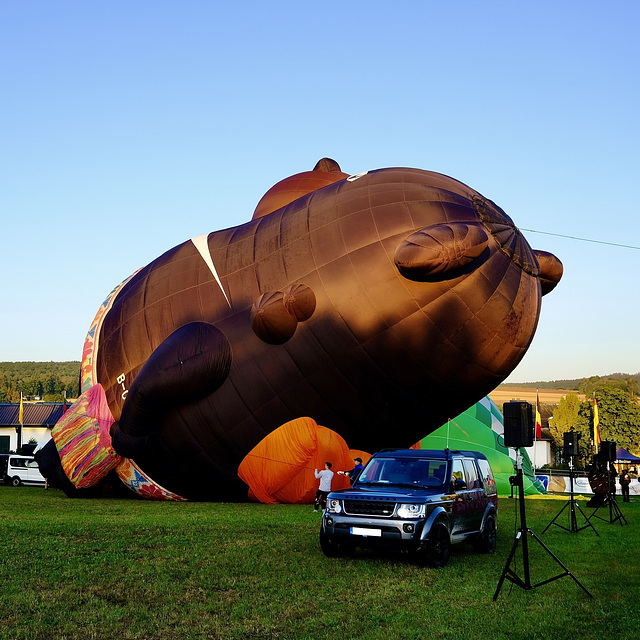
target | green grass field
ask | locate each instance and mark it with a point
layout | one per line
(112, 568)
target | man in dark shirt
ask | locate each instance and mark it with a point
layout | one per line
(355, 472)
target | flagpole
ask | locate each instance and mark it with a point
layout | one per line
(596, 423)
(535, 435)
(19, 430)
(537, 429)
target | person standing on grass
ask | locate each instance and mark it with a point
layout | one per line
(625, 481)
(355, 472)
(325, 476)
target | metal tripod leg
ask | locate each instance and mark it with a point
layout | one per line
(615, 514)
(509, 574)
(521, 537)
(573, 522)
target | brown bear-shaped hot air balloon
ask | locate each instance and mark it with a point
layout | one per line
(376, 305)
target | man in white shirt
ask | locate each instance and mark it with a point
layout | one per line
(325, 477)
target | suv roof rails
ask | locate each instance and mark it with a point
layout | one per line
(416, 452)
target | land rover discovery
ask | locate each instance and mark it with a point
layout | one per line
(420, 501)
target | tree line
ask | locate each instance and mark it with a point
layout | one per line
(618, 416)
(47, 381)
(583, 385)
(616, 396)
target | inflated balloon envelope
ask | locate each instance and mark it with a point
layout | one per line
(280, 468)
(481, 428)
(377, 305)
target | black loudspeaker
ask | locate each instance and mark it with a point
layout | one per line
(570, 443)
(518, 424)
(608, 450)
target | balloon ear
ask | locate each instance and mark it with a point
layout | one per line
(441, 251)
(551, 270)
(327, 165)
(326, 172)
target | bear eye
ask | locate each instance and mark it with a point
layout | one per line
(441, 251)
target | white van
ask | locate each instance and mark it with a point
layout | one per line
(22, 470)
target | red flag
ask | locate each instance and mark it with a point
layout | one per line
(538, 418)
(596, 423)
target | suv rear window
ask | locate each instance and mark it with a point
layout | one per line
(473, 482)
(487, 474)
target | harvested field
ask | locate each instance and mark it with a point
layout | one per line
(547, 396)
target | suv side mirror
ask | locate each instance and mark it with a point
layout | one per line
(459, 485)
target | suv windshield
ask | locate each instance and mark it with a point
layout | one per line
(413, 472)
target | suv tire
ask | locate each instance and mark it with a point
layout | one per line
(486, 540)
(331, 548)
(435, 549)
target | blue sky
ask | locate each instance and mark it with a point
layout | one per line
(129, 127)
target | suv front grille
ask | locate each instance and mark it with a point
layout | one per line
(369, 508)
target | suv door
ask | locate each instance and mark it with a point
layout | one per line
(468, 502)
(475, 494)
(460, 507)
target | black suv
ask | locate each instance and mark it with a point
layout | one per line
(415, 500)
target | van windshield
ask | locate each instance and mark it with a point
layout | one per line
(415, 472)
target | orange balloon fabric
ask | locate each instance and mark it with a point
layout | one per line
(356, 453)
(280, 468)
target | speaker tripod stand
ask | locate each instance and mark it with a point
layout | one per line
(572, 505)
(508, 572)
(615, 514)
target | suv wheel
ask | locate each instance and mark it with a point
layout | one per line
(331, 548)
(435, 549)
(486, 541)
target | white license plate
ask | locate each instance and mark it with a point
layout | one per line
(359, 531)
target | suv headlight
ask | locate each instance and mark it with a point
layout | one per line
(411, 510)
(334, 506)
